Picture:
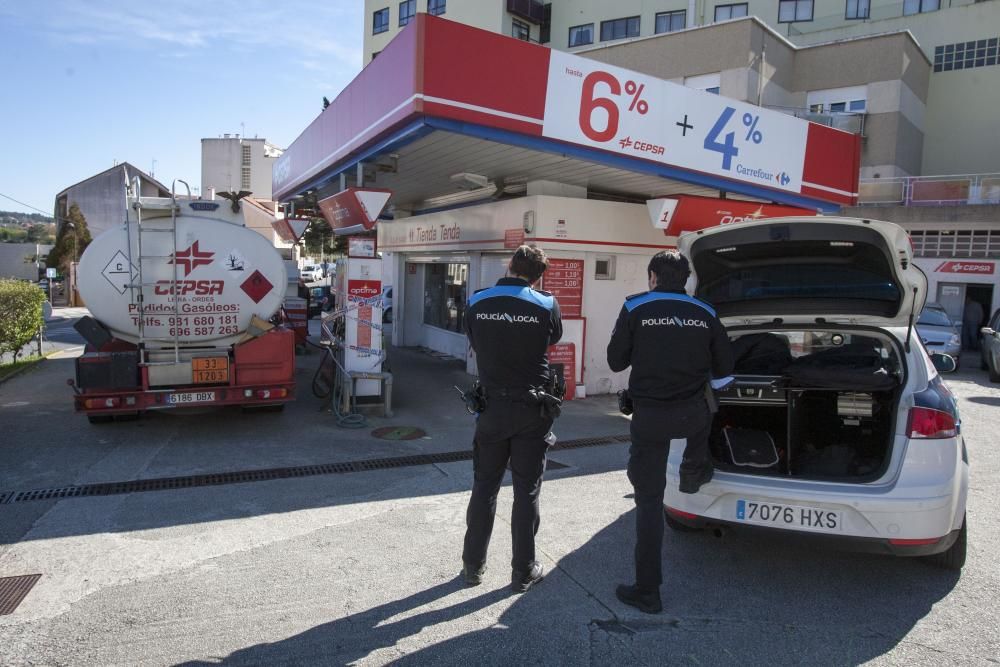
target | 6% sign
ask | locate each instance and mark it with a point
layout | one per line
(591, 101)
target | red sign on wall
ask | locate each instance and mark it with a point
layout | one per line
(513, 238)
(981, 268)
(565, 354)
(564, 279)
(691, 213)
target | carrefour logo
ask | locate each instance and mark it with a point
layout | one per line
(512, 319)
(673, 322)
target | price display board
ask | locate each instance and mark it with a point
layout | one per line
(564, 279)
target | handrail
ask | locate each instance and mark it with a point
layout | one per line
(936, 190)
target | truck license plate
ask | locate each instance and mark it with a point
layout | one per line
(191, 397)
(789, 516)
(209, 370)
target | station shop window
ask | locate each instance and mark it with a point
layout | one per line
(911, 7)
(380, 21)
(445, 295)
(580, 35)
(967, 55)
(670, 21)
(520, 30)
(791, 11)
(619, 28)
(436, 7)
(857, 9)
(407, 10)
(726, 12)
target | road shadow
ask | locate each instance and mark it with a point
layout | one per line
(746, 599)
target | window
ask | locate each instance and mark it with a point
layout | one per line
(520, 30)
(445, 295)
(858, 9)
(375, 54)
(670, 21)
(726, 12)
(436, 7)
(709, 83)
(967, 55)
(795, 10)
(380, 21)
(245, 155)
(545, 29)
(407, 10)
(619, 28)
(581, 34)
(857, 106)
(920, 6)
(244, 178)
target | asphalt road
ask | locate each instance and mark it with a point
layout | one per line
(362, 568)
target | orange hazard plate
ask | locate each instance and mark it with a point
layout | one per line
(209, 370)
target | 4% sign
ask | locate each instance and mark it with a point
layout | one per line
(591, 101)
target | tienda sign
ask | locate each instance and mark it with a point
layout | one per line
(982, 268)
(690, 213)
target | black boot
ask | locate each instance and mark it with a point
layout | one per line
(522, 580)
(644, 600)
(693, 483)
(473, 575)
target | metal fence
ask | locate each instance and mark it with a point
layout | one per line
(956, 190)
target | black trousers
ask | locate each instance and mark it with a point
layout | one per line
(653, 427)
(514, 432)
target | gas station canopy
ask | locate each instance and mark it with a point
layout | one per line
(447, 107)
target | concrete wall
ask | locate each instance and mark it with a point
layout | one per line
(222, 162)
(12, 256)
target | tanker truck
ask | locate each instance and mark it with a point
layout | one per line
(182, 298)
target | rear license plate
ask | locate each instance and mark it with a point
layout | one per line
(209, 370)
(789, 516)
(191, 397)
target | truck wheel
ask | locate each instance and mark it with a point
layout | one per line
(280, 407)
(954, 558)
(99, 419)
(127, 417)
(674, 524)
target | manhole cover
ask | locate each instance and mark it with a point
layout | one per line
(13, 590)
(399, 432)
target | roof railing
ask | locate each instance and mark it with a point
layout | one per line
(951, 190)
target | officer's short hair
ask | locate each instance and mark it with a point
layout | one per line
(529, 262)
(670, 268)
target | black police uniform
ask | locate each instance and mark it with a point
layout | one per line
(674, 344)
(510, 326)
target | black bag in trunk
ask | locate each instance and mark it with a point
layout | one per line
(761, 354)
(751, 447)
(857, 366)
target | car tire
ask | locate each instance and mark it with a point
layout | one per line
(954, 558)
(674, 524)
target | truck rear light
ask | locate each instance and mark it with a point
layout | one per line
(928, 424)
(914, 543)
(130, 400)
(263, 393)
(248, 393)
(97, 403)
(271, 393)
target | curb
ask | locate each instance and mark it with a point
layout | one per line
(27, 367)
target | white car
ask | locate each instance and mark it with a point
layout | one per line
(837, 424)
(311, 273)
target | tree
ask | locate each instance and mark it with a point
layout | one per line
(319, 235)
(72, 240)
(20, 315)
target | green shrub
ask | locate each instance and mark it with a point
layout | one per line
(20, 314)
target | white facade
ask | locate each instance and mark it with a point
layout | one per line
(231, 163)
(436, 261)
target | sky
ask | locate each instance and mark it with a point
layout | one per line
(85, 83)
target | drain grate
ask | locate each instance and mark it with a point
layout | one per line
(399, 433)
(13, 590)
(263, 475)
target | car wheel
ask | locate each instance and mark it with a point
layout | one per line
(674, 524)
(954, 558)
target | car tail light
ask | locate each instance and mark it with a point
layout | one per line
(914, 543)
(926, 423)
(681, 514)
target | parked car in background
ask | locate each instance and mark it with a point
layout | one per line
(311, 272)
(387, 303)
(938, 332)
(989, 346)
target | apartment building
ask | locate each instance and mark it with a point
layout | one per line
(234, 163)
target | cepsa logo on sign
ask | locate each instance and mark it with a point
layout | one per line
(966, 267)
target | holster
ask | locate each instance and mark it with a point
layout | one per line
(474, 399)
(625, 402)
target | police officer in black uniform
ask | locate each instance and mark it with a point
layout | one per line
(675, 344)
(510, 326)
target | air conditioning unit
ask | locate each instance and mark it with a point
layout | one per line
(466, 181)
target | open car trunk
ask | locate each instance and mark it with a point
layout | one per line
(809, 404)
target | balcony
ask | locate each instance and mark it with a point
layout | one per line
(529, 10)
(842, 120)
(960, 190)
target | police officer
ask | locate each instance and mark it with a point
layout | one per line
(510, 326)
(675, 344)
